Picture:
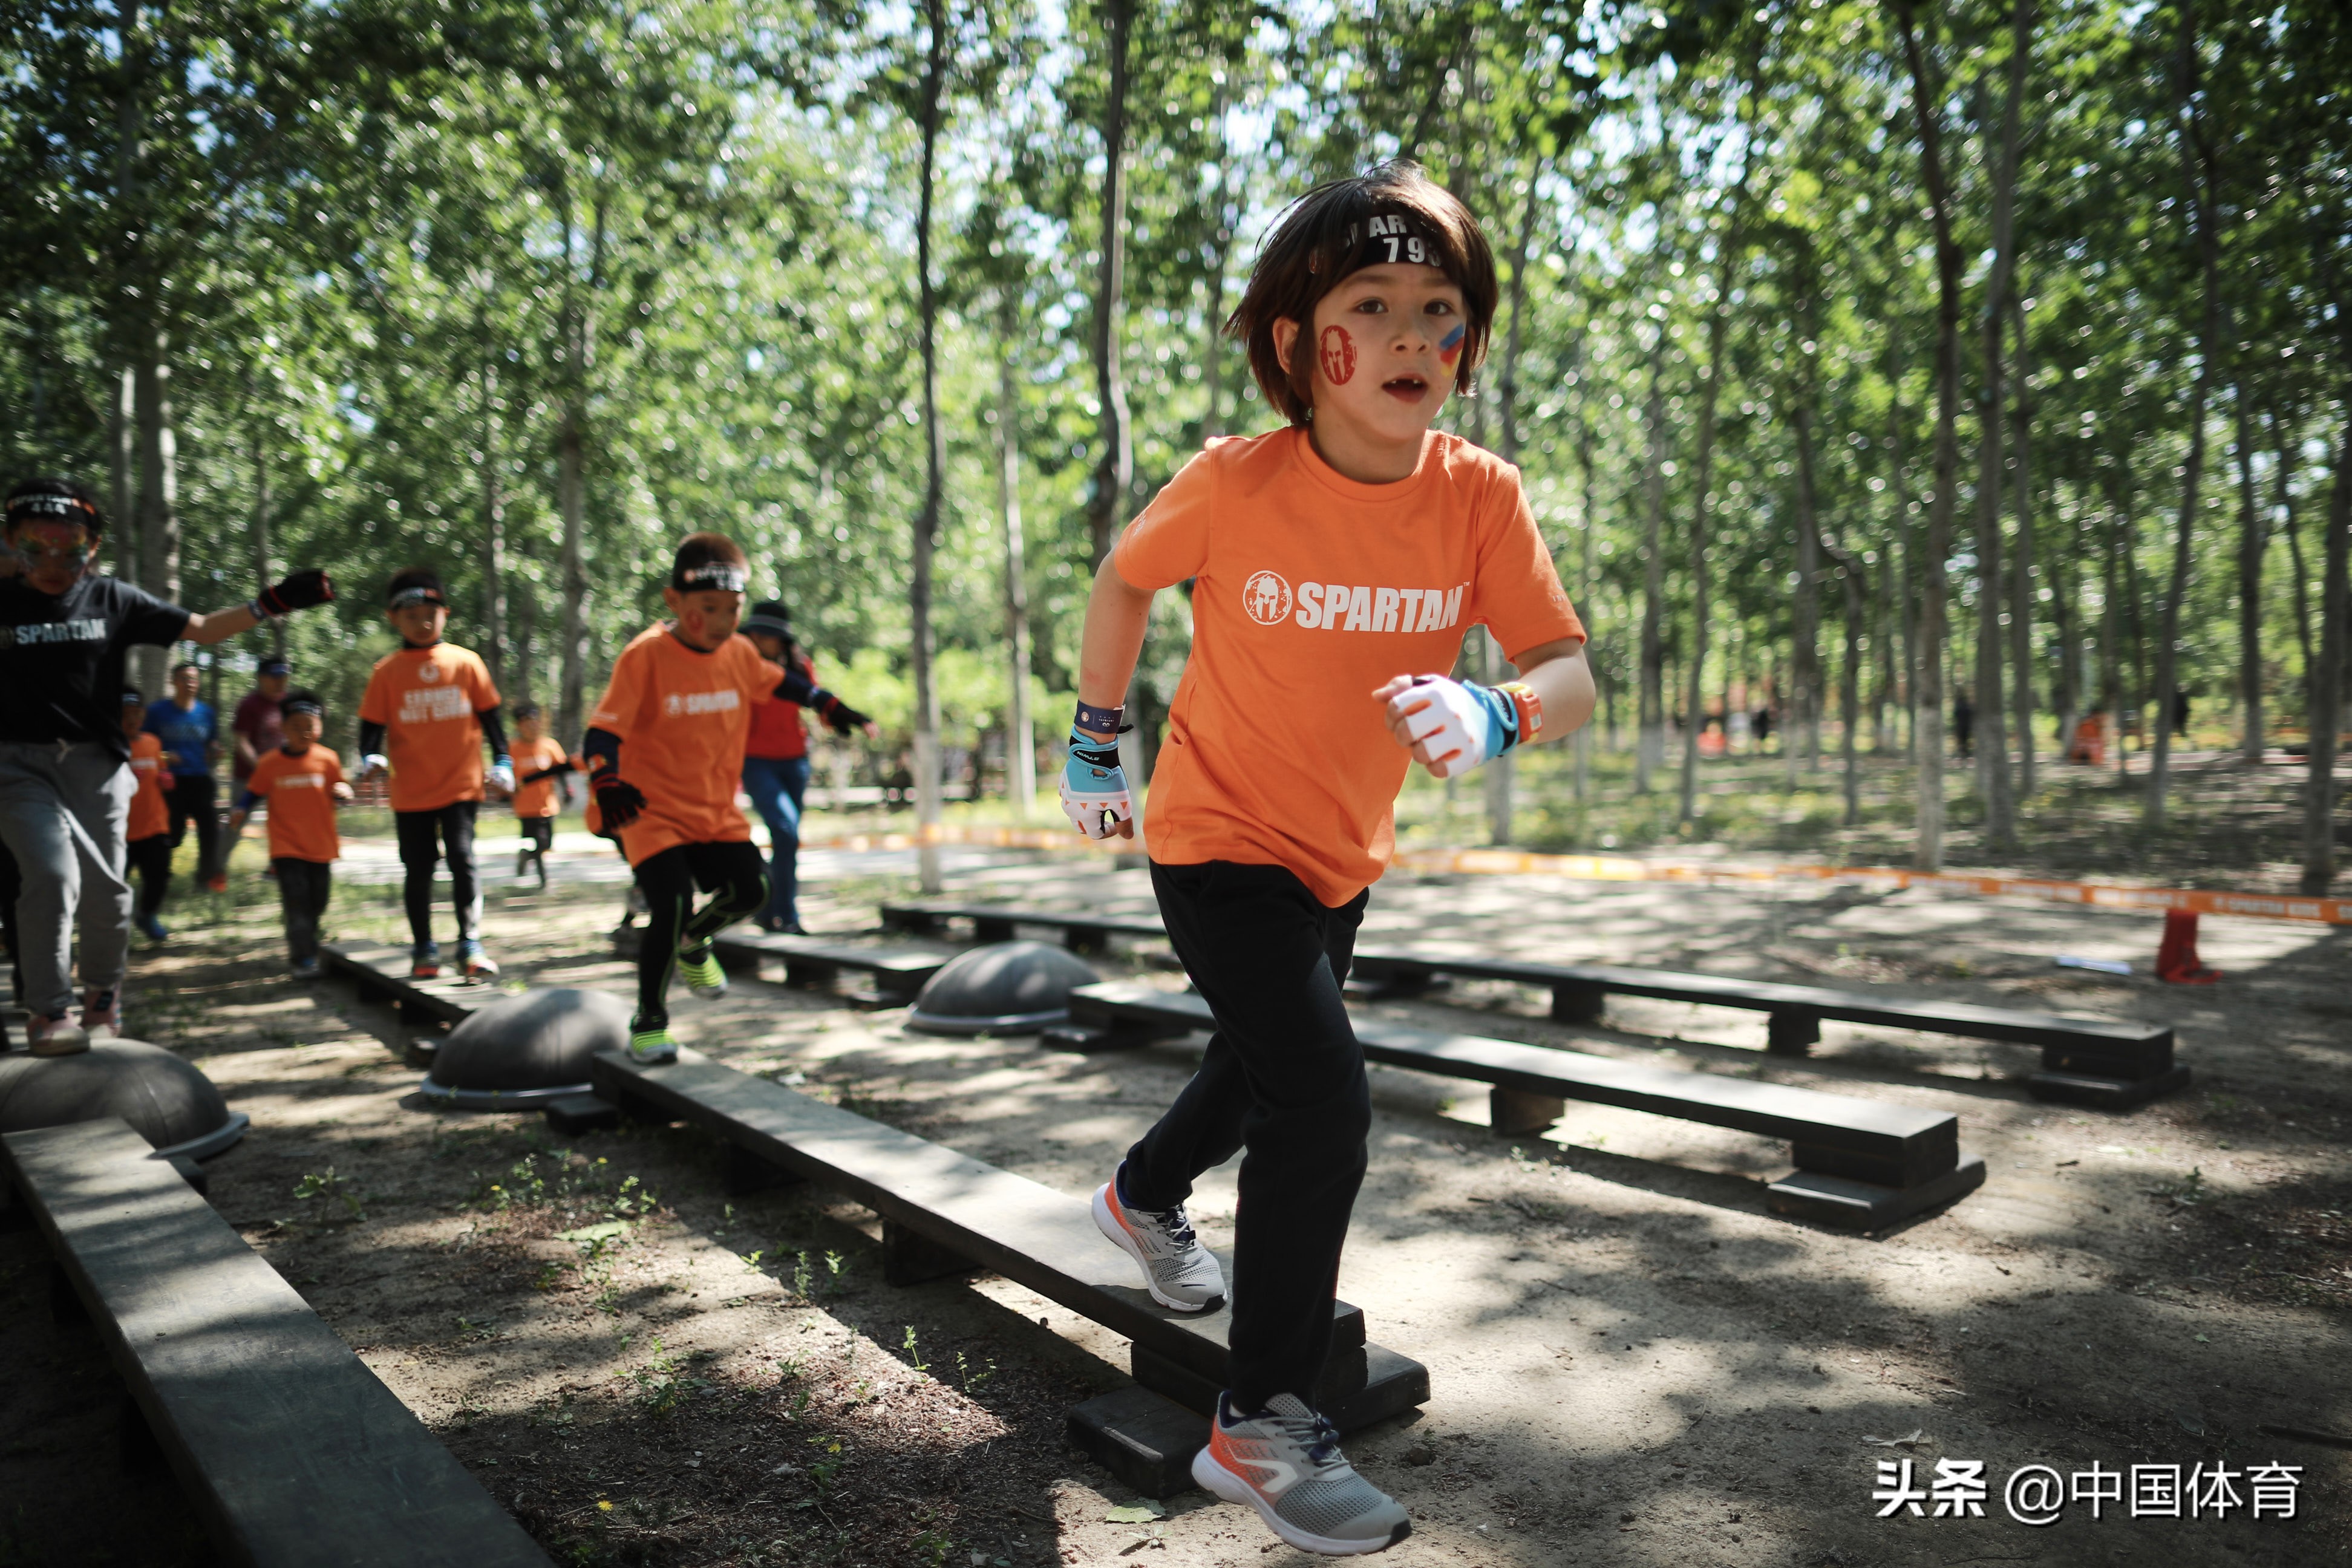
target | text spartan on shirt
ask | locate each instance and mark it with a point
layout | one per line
(1351, 608)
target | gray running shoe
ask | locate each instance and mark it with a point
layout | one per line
(1177, 1270)
(1285, 1462)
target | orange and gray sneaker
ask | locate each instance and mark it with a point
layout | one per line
(1285, 1462)
(1177, 1270)
(58, 1036)
(101, 1015)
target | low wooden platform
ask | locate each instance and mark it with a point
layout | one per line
(894, 973)
(1081, 930)
(1862, 1164)
(290, 1450)
(944, 1213)
(380, 973)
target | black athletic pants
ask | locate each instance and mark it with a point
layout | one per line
(454, 825)
(303, 887)
(733, 872)
(152, 858)
(1284, 1079)
(538, 833)
(193, 798)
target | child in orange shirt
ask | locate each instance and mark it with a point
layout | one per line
(664, 748)
(302, 781)
(540, 763)
(1330, 560)
(428, 712)
(147, 835)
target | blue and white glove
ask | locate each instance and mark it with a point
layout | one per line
(1094, 787)
(502, 775)
(1457, 726)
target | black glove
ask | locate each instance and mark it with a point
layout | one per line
(843, 717)
(298, 592)
(618, 802)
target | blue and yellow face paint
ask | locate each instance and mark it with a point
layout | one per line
(1449, 348)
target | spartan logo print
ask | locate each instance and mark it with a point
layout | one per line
(1266, 597)
(1339, 356)
(428, 672)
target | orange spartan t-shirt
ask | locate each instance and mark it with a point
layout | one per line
(302, 795)
(537, 799)
(682, 717)
(1311, 589)
(427, 699)
(150, 814)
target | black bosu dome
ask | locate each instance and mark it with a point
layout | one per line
(1005, 989)
(526, 1049)
(166, 1099)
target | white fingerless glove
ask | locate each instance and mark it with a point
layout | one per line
(1094, 786)
(375, 763)
(1458, 726)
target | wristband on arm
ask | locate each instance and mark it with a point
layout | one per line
(1101, 721)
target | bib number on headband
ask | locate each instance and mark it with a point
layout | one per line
(1411, 249)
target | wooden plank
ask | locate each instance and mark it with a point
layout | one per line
(287, 1445)
(1004, 1222)
(1897, 1133)
(383, 971)
(1084, 930)
(911, 965)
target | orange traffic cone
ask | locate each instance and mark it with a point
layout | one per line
(2176, 955)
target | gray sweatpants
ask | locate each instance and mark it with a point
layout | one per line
(62, 813)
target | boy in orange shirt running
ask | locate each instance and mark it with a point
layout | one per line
(303, 781)
(664, 747)
(1330, 560)
(540, 763)
(147, 835)
(428, 712)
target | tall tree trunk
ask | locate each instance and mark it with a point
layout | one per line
(2282, 489)
(2197, 171)
(263, 569)
(572, 497)
(2327, 682)
(1854, 587)
(1702, 483)
(927, 525)
(159, 485)
(1991, 731)
(1650, 744)
(131, 305)
(1581, 743)
(1906, 546)
(122, 428)
(494, 533)
(2115, 678)
(1805, 663)
(2252, 540)
(1928, 713)
(1115, 464)
(2021, 661)
(1501, 771)
(1020, 738)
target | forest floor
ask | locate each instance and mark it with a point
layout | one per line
(647, 1372)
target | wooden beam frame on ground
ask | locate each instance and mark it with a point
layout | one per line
(1862, 1164)
(380, 973)
(291, 1451)
(815, 963)
(2110, 1063)
(944, 1213)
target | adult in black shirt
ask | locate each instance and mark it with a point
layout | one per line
(65, 782)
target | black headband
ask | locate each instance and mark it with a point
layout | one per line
(294, 705)
(53, 508)
(1390, 235)
(711, 576)
(417, 595)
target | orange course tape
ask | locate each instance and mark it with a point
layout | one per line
(1627, 868)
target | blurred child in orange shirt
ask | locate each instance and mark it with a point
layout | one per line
(540, 764)
(147, 836)
(303, 781)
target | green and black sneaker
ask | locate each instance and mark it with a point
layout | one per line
(650, 1044)
(702, 975)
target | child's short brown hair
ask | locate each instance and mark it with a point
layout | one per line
(1327, 233)
(710, 561)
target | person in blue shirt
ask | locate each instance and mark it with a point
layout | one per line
(190, 731)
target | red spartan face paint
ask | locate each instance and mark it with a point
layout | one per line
(1450, 348)
(1339, 356)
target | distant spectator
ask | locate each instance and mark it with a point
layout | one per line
(190, 731)
(255, 726)
(1964, 724)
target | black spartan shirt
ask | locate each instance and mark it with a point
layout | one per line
(61, 658)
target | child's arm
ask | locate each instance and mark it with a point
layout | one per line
(1450, 727)
(493, 734)
(371, 759)
(1093, 785)
(245, 801)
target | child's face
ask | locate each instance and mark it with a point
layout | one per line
(706, 617)
(1386, 343)
(301, 730)
(419, 624)
(771, 647)
(532, 727)
(134, 719)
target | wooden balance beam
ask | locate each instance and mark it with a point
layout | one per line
(1862, 1164)
(290, 1450)
(815, 963)
(945, 1213)
(1085, 931)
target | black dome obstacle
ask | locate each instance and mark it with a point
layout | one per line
(1005, 989)
(523, 1051)
(167, 1100)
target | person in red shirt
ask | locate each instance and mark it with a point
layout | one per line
(1330, 560)
(302, 781)
(664, 747)
(255, 726)
(147, 835)
(541, 764)
(775, 757)
(428, 711)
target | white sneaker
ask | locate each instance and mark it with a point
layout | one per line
(1177, 1270)
(1285, 1462)
(59, 1036)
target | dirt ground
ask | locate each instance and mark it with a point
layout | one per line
(647, 1370)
